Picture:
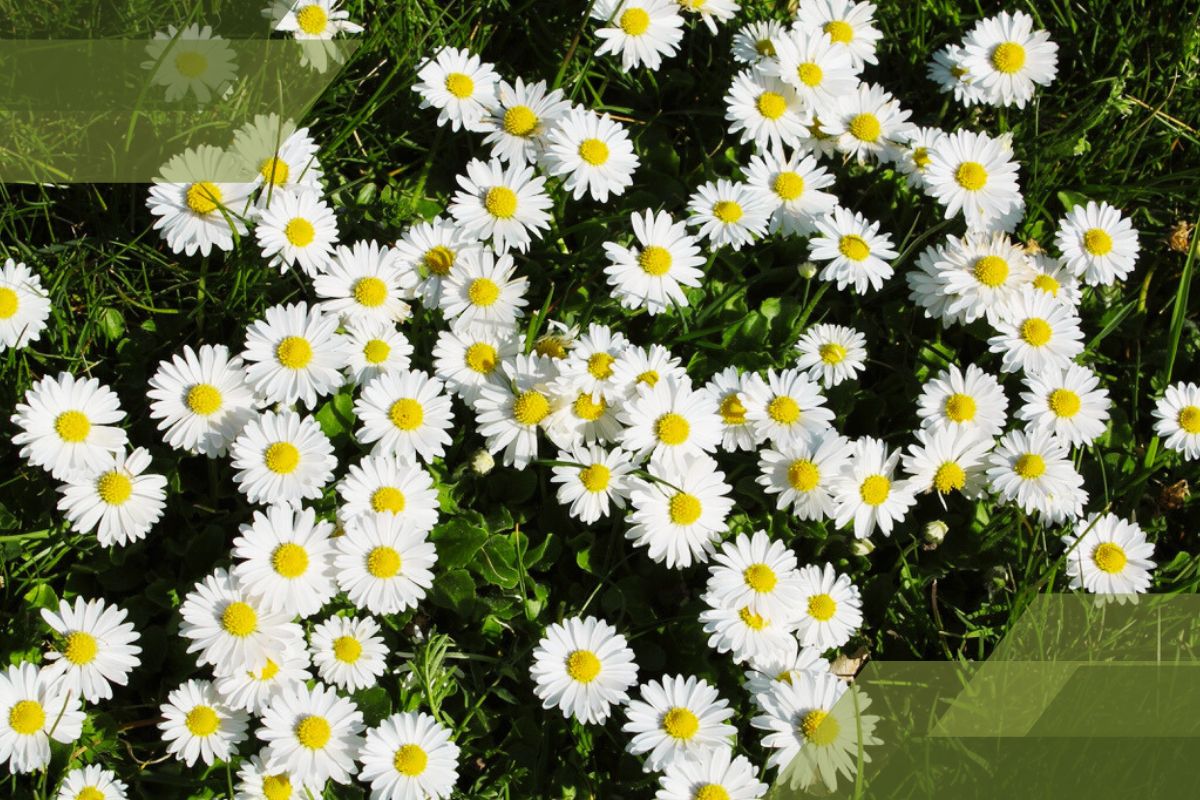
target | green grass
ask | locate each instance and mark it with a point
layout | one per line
(1119, 125)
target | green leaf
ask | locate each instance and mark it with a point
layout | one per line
(455, 590)
(497, 562)
(336, 415)
(457, 542)
(374, 704)
(112, 324)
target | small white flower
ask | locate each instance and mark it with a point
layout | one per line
(670, 421)
(1177, 419)
(1098, 243)
(484, 292)
(1034, 470)
(866, 122)
(680, 516)
(973, 173)
(92, 782)
(584, 667)
(854, 250)
(201, 399)
(409, 755)
(375, 348)
(830, 608)
(24, 306)
(98, 648)
(294, 354)
(832, 353)
(1006, 58)
(198, 725)
(282, 458)
(600, 480)
(1108, 555)
(285, 558)
(388, 484)
(849, 24)
(652, 274)
(802, 472)
(677, 719)
(793, 185)
(867, 493)
(460, 86)
(348, 652)
(115, 499)
(383, 564)
(764, 110)
(364, 283)
(312, 734)
(786, 407)
(642, 32)
(66, 425)
(729, 390)
(504, 204)
(524, 114)
(948, 459)
(1068, 402)
(972, 399)
(509, 416)
(470, 359)
(432, 250)
(729, 213)
(1037, 332)
(200, 200)
(404, 414)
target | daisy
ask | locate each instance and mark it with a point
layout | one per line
(1052, 276)
(802, 471)
(34, 709)
(730, 389)
(313, 23)
(1032, 469)
(1108, 555)
(755, 573)
(832, 353)
(282, 159)
(311, 734)
(787, 406)
(581, 417)
(819, 69)
(677, 719)
(387, 484)
(92, 782)
(764, 110)
(383, 565)
(374, 348)
(593, 479)
(1068, 402)
(523, 115)
(1177, 415)
(865, 122)
(256, 782)
(854, 249)
(947, 69)
(405, 414)
(503, 204)
(116, 500)
(66, 425)
(848, 24)
(510, 416)
(982, 274)
(348, 652)
(642, 32)
(948, 459)
(24, 306)
(285, 559)
(584, 667)
(282, 458)
(911, 153)
(640, 368)
(484, 293)
(198, 725)
(591, 153)
(782, 666)
(98, 648)
(729, 213)
(199, 201)
(432, 250)
(1098, 243)
(742, 632)
(294, 355)
(652, 274)
(190, 60)
(754, 43)
(679, 521)
(253, 690)
(973, 173)
(831, 608)
(867, 492)
(230, 628)
(557, 341)
(589, 366)
(793, 186)
(1006, 58)
(201, 399)
(460, 86)
(470, 359)
(409, 755)
(719, 776)
(926, 289)
(711, 12)
(1037, 332)
(364, 282)
(817, 139)
(670, 421)
(972, 399)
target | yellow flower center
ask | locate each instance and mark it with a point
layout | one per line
(551, 346)
(274, 171)
(865, 127)
(406, 414)
(971, 176)
(832, 353)
(839, 31)
(854, 247)
(277, 787)
(481, 357)
(90, 793)
(600, 365)
(583, 666)
(1109, 557)
(755, 622)
(410, 760)
(483, 292)
(269, 671)
(1030, 466)
(711, 791)
(81, 648)
(294, 352)
(732, 410)
(313, 732)
(803, 475)
(810, 74)
(370, 292)
(530, 407)
(520, 121)
(438, 260)
(1008, 57)
(822, 607)
(1036, 332)
(764, 47)
(585, 409)
(819, 728)
(191, 64)
(1189, 419)
(960, 407)
(9, 302)
(376, 351)
(289, 560)
(875, 489)
(282, 458)
(594, 152)
(727, 211)
(238, 619)
(1047, 284)
(788, 186)
(72, 426)
(771, 105)
(27, 717)
(634, 21)
(202, 721)
(1064, 403)
(500, 202)
(312, 20)
(760, 577)
(921, 158)
(949, 476)
(672, 429)
(684, 509)
(595, 478)
(655, 260)
(1097, 242)
(991, 271)
(383, 562)
(784, 410)
(346, 649)
(299, 232)
(203, 399)
(649, 377)
(203, 197)
(388, 499)
(680, 723)
(460, 85)
(114, 488)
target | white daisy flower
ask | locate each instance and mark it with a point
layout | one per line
(786, 407)
(405, 414)
(383, 564)
(973, 173)
(388, 484)
(256, 782)
(832, 353)
(762, 109)
(1109, 556)
(754, 43)
(285, 559)
(1052, 276)
(282, 159)
(755, 573)
(409, 755)
(1033, 469)
(1036, 333)
(24, 306)
(817, 139)
(66, 425)
(201, 399)
(925, 287)
(911, 154)
(364, 283)
(92, 782)
(484, 293)
(591, 153)
(1006, 58)
(191, 59)
(729, 390)
(583, 667)
(589, 366)
(1068, 402)
(972, 399)
(98, 648)
(867, 492)
(556, 343)
(782, 666)
(677, 719)
(1177, 419)
(348, 652)
(847, 23)
(652, 274)
(312, 734)
(819, 69)
(642, 32)
(375, 348)
(470, 359)
(670, 421)
(742, 632)
(679, 521)
(253, 690)
(581, 417)
(641, 368)
(831, 608)
(282, 458)
(711, 12)
(866, 122)
(198, 725)
(510, 416)
(524, 114)
(431, 250)
(802, 472)
(728, 213)
(116, 500)
(793, 186)
(503, 204)
(719, 776)
(948, 459)
(947, 69)
(1098, 243)
(200, 200)
(294, 355)
(854, 250)
(460, 85)
(598, 480)
(34, 708)
(981, 274)
(313, 24)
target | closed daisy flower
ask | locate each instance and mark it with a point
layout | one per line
(1033, 469)
(409, 755)
(594, 479)
(364, 283)
(677, 719)
(389, 484)
(348, 652)
(819, 69)
(830, 608)
(1177, 419)
(383, 565)
(639, 369)
(1108, 555)
(742, 632)
(34, 708)
(583, 667)
(282, 159)
(982, 274)
(484, 292)
(719, 775)
(679, 521)
(867, 492)
(432, 250)
(201, 399)
(793, 186)
(849, 24)
(946, 460)
(285, 558)
(282, 458)
(972, 399)
(854, 250)
(910, 153)
(1069, 402)
(1098, 243)
(1037, 332)
(802, 472)
(198, 726)
(832, 353)
(589, 367)
(866, 122)
(729, 390)
(460, 85)
(764, 110)
(641, 32)
(470, 359)
(591, 153)
(66, 425)
(1007, 59)
(973, 173)
(510, 416)
(947, 69)
(256, 782)
(24, 306)
(670, 421)
(754, 43)
(405, 414)
(98, 648)
(652, 273)
(115, 499)
(1052, 276)
(200, 199)
(782, 666)
(503, 204)
(374, 348)
(253, 689)
(729, 213)
(312, 735)
(92, 782)
(755, 573)
(294, 355)
(524, 114)
(787, 406)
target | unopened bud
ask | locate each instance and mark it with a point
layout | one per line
(482, 462)
(807, 270)
(935, 532)
(862, 547)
